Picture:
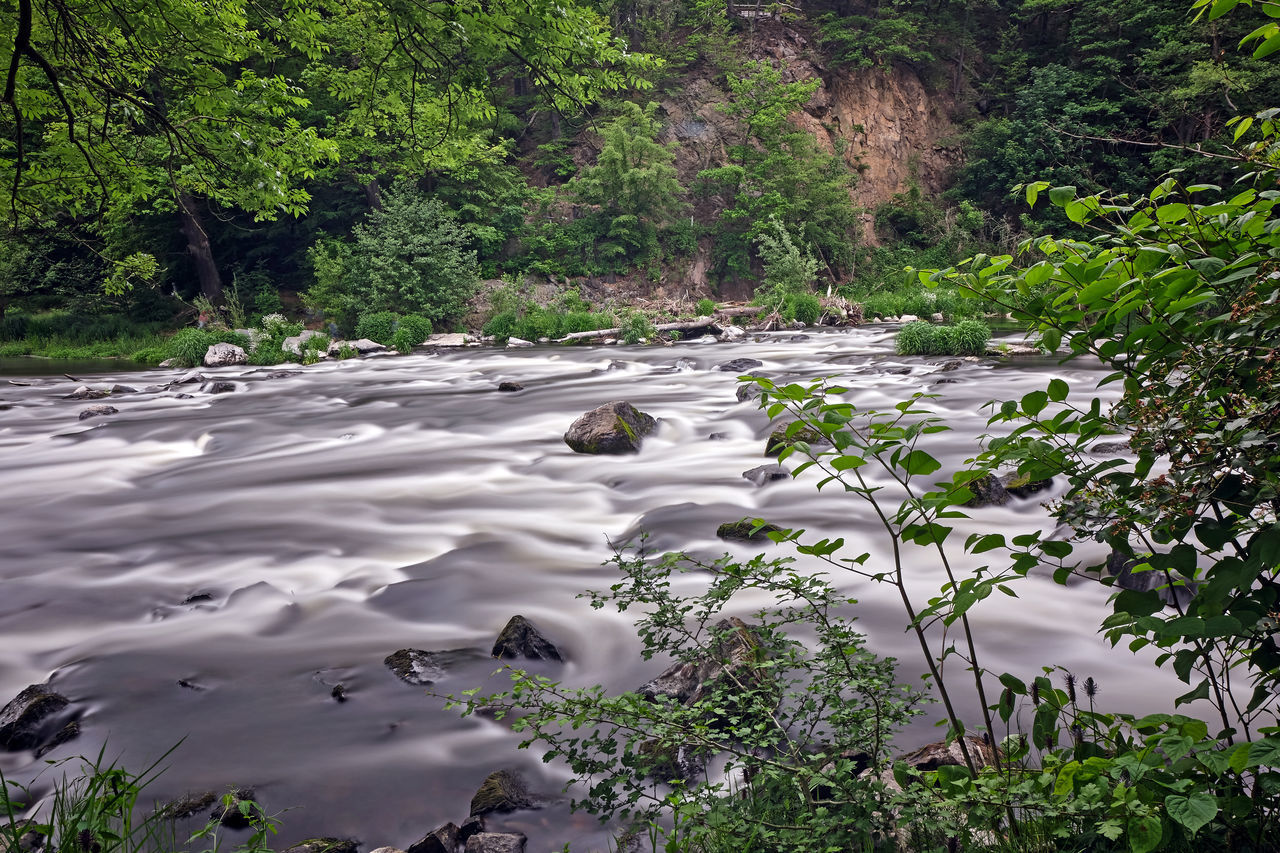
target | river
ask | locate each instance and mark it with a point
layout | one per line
(326, 519)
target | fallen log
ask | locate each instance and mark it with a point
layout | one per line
(712, 327)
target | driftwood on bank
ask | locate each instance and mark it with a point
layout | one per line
(741, 311)
(711, 326)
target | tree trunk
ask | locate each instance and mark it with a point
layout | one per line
(373, 194)
(198, 246)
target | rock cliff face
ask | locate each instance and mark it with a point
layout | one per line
(895, 130)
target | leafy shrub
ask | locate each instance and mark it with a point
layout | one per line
(634, 327)
(789, 270)
(415, 328)
(804, 308)
(706, 307)
(378, 326)
(502, 324)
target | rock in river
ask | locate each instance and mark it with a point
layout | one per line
(98, 411)
(740, 365)
(32, 720)
(496, 842)
(616, 427)
(519, 639)
(325, 845)
(442, 839)
(779, 439)
(502, 791)
(745, 531)
(762, 475)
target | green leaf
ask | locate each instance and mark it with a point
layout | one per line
(919, 462)
(1034, 403)
(1145, 832)
(1058, 390)
(1192, 811)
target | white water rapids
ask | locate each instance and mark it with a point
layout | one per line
(360, 507)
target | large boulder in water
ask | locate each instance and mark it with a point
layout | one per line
(224, 355)
(502, 791)
(496, 842)
(31, 720)
(616, 427)
(519, 639)
(442, 839)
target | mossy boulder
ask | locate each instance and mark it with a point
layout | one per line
(616, 427)
(502, 791)
(745, 531)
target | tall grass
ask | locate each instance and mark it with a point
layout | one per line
(64, 335)
(99, 809)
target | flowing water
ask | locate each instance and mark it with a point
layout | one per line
(206, 569)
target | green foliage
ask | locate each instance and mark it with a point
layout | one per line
(706, 307)
(968, 337)
(414, 329)
(518, 316)
(803, 308)
(187, 346)
(778, 171)
(796, 705)
(894, 32)
(378, 326)
(100, 809)
(789, 270)
(635, 327)
(410, 256)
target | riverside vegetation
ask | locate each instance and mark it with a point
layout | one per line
(1173, 286)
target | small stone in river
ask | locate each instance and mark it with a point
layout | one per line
(762, 475)
(98, 411)
(954, 364)
(519, 639)
(739, 365)
(501, 791)
(191, 377)
(415, 666)
(325, 845)
(748, 391)
(616, 427)
(1024, 487)
(84, 392)
(443, 839)
(745, 531)
(510, 386)
(339, 693)
(987, 491)
(123, 389)
(230, 811)
(496, 842)
(473, 825)
(27, 721)
(718, 436)
(188, 805)
(222, 387)
(70, 731)
(184, 396)
(282, 374)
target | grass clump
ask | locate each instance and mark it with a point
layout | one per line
(706, 307)
(968, 337)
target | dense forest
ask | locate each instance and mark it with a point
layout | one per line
(333, 158)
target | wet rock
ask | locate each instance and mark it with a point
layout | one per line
(98, 411)
(191, 377)
(732, 333)
(616, 427)
(443, 839)
(740, 365)
(197, 598)
(496, 842)
(282, 374)
(954, 364)
(84, 392)
(745, 531)
(735, 654)
(325, 845)
(222, 387)
(748, 391)
(473, 825)
(1024, 487)
(415, 666)
(520, 639)
(184, 396)
(1111, 448)
(155, 389)
(225, 355)
(230, 811)
(189, 805)
(510, 386)
(453, 339)
(987, 491)
(517, 343)
(339, 693)
(718, 436)
(940, 754)
(69, 732)
(123, 389)
(295, 343)
(796, 339)
(31, 718)
(501, 791)
(364, 346)
(762, 475)
(779, 441)
(946, 382)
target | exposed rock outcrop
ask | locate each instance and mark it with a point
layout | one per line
(616, 427)
(520, 639)
(35, 719)
(98, 411)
